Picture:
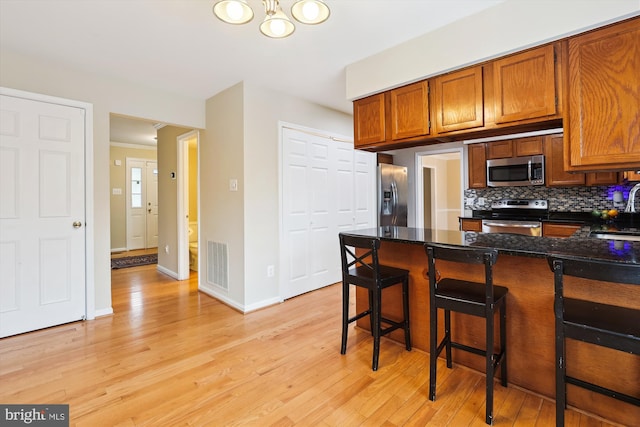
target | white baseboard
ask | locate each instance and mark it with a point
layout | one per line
(118, 250)
(262, 304)
(104, 312)
(168, 272)
(234, 304)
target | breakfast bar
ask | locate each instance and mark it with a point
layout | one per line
(522, 267)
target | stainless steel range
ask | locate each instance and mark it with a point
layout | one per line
(516, 216)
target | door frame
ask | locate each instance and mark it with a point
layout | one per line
(182, 215)
(419, 180)
(147, 216)
(89, 226)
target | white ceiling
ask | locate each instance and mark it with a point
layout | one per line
(179, 45)
(132, 131)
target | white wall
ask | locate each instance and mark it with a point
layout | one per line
(243, 142)
(263, 110)
(507, 27)
(222, 211)
(30, 74)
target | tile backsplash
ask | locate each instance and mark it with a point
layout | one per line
(562, 199)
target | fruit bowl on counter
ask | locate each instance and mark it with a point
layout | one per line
(605, 214)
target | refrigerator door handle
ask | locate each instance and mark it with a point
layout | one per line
(394, 203)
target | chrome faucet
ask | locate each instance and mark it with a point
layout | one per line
(631, 203)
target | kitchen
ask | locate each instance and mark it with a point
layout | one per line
(586, 165)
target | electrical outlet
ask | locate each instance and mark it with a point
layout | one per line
(481, 201)
(271, 271)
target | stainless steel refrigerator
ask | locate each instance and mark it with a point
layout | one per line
(393, 194)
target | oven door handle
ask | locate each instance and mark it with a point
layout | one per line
(504, 224)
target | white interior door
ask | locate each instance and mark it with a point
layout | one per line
(320, 181)
(152, 204)
(364, 191)
(42, 215)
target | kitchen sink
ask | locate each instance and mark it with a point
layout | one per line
(617, 235)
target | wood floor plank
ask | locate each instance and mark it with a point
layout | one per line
(172, 356)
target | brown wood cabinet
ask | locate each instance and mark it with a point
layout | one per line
(458, 100)
(477, 156)
(559, 229)
(384, 158)
(525, 85)
(602, 178)
(632, 175)
(531, 146)
(500, 149)
(555, 175)
(369, 120)
(410, 111)
(604, 99)
(470, 224)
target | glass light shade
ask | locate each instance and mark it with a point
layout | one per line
(277, 26)
(310, 11)
(233, 11)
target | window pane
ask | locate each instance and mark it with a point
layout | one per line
(136, 174)
(136, 187)
(136, 200)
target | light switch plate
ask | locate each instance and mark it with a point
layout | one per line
(233, 184)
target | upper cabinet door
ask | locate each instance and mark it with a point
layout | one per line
(369, 120)
(477, 165)
(410, 110)
(458, 99)
(555, 175)
(525, 85)
(604, 98)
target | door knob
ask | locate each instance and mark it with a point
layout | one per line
(77, 224)
(149, 210)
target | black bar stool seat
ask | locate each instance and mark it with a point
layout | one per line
(366, 271)
(468, 297)
(600, 324)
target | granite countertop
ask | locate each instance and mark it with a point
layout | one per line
(579, 244)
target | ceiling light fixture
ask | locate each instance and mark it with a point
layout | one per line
(276, 24)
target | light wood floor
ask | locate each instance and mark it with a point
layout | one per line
(171, 356)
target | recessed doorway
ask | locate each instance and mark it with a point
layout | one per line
(439, 189)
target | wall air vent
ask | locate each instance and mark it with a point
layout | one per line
(218, 264)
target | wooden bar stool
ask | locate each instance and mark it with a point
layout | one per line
(474, 298)
(592, 322)
(365, 271)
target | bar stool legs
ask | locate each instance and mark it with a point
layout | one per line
(365, 271)
(483, 300)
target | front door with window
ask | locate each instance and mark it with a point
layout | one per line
(142, 204)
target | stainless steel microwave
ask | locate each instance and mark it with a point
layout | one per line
(515, 171)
